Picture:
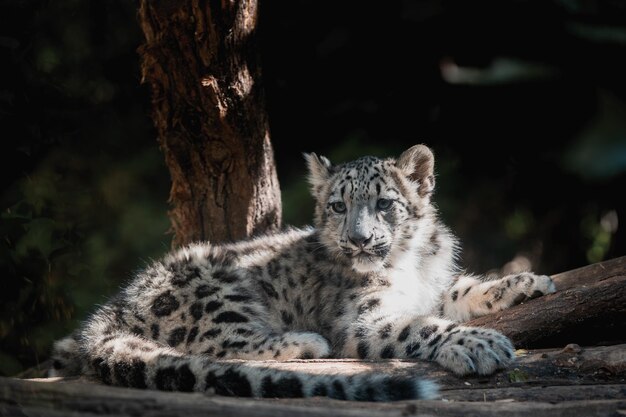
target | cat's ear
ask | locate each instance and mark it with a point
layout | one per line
(319, 170)
(418, 163)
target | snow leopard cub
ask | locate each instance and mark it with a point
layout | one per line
(376, 278)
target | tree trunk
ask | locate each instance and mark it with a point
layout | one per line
(201, 62)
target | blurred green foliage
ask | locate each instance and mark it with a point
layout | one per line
(533, 168)
(84, 184)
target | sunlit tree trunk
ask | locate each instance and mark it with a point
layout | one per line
(200, 60)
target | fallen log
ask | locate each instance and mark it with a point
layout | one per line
(572, 375)
(590, 273)
(589, 308)
(571, 365)
(551, 394)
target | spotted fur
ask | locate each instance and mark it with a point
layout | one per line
(376, 278)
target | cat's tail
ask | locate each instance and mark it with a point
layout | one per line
(66, 357)
(128, 360)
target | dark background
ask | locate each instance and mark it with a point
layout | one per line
(522, 102)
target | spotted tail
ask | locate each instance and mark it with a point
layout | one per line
(135, 362)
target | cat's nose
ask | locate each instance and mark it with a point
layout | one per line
(360, 240)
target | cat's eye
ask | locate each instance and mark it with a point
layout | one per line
(384, 204)
(338, 207)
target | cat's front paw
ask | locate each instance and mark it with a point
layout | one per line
(531, 286)
(474, 350)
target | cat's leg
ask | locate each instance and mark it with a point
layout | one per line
(470, 297)
(463, 350)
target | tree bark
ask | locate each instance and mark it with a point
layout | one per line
(201, 62)
(588, 308)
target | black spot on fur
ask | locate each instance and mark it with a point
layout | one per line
(196, 310)
(467, 290)
(269, 289)
(287, 317)
(306, 355)
(183, 277)
(435, 340)
(221, 354)
(362, 349)
(211, 306)
(398, 388)
(450, 327)
(210, 334)
(489, 305)
(454, 295)
(185, 379)
(225, 276)
(237, 297)
(137, 330)
(177, 336)
(205, 290)
(404, 334)
(273, 268)
(232, 383)
(287, 387)
(338, 392)
(137, 374)
(172, 379)
(230, 317)
(360, 332)
(426, 331)
(369, 305)
(320, 390)
(366, 393)
(385, 331)
(535, 294)
(435, 245)
(210, 380)
(244, 332)
(130, 374)
(298, 306)
(165, 378)
(237, 345)
(193, 333)
(412, 350)
(102, 370)
(154, 328)
(164, 305)
(388, 352)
